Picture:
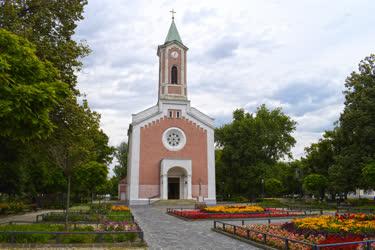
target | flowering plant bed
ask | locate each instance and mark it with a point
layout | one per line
(234, 209)
(120, 208)
(304, 233)
(197, 214)
(113, 226)
(52, 233)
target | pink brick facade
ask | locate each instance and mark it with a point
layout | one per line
(152, 152)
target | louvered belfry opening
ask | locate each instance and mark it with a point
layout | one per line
(174, 75)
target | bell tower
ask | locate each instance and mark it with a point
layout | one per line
(172, 66)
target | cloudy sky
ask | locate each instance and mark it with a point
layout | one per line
(283, 53)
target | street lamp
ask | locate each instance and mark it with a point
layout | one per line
(262, 181)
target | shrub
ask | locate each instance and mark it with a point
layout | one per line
(360, 202)
(73, 217)
(120, 237)
(270, 203)
(102, 208)
(29, 238)
(119, 216)
(239, 199)
(4, 208)
(78, 238)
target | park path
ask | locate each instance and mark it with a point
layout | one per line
(163, 231)
(25, 217)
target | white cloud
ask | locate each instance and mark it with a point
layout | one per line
(294, 54)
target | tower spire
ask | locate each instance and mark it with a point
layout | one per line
(173, 34)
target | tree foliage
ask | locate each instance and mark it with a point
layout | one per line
(121, 154)
(29, 90)
(355, 137)
(315, 184)
(91, 177)
(368, 175)
(273, 187)
(47, 135)
(50, 25)
(250, 144)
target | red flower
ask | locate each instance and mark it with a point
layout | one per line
(339, 239)
(197, 214)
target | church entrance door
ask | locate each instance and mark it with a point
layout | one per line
(173, 188)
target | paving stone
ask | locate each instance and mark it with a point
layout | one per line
(163, 231)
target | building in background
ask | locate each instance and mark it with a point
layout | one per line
(171, 144)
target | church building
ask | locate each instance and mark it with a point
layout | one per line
(171, 144)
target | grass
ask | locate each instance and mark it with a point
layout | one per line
(119, 216)
(73, 217)
(81, 207)
(65, 239)
(42, 238)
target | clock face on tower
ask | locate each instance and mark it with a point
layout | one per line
(174, 54)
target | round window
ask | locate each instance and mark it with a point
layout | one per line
(174, 139)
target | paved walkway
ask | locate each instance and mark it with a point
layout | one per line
(25, 217)
(163, 231)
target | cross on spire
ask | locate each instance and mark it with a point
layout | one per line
(173, 12)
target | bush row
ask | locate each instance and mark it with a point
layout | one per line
(66, 239)
(15, 207)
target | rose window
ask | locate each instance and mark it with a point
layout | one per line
(174, 139)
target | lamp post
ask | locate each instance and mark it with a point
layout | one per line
(262, 181)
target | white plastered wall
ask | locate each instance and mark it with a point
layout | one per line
(157, 112)
(165, 166)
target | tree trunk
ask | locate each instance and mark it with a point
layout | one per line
(67, 205)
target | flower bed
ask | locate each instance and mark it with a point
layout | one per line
(349, 223)
(196, 214)
(234, 209)
(120, 208)
(98, 225)
(313, 230)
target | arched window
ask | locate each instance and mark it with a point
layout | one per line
(174, 75)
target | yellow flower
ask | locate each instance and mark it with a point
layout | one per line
(120, 208)
(234, 209)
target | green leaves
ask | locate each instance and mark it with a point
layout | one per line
(368, 175)
(315, 184)
(250, 144)
(50, 26)
(29, 92)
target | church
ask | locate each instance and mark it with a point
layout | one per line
(171, 145)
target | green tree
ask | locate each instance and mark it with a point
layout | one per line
(72, 145)
(355, 135)
(250, 144)
(290, 175)
(320, 156)
(315, 184)
(121, 154)
(92, 176)
(29, 90)
(368, 175)
(50, 26)
(273, 187)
